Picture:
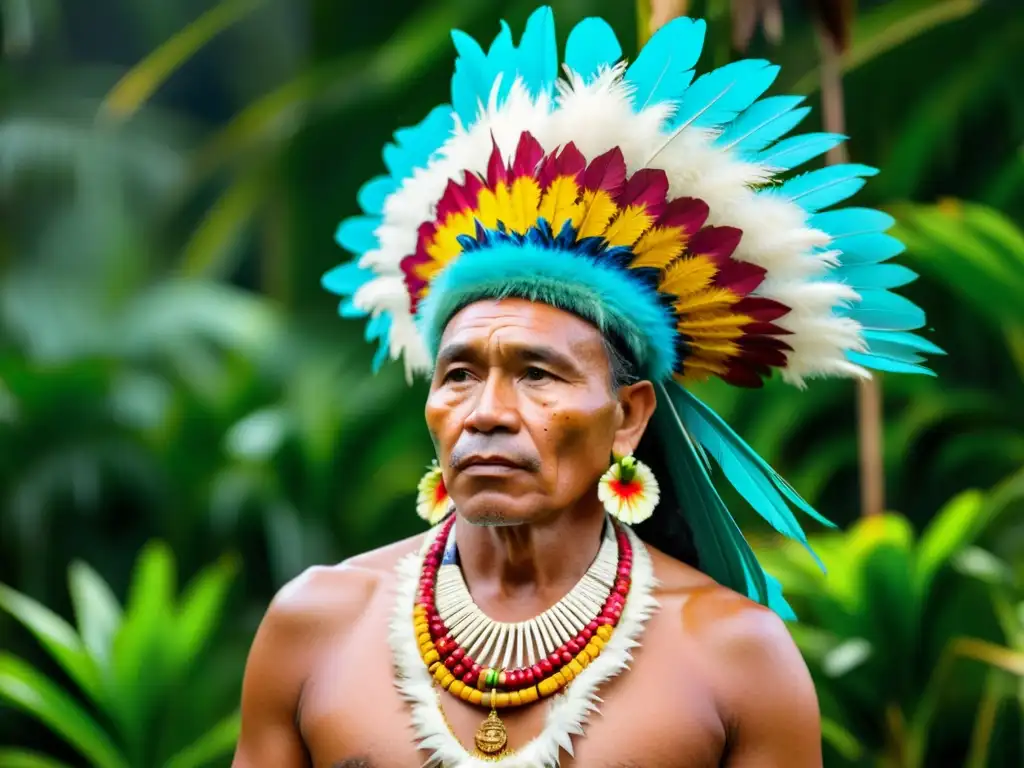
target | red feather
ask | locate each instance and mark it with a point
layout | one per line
(765, 329)
(571, 162)
(547, 172)
(607, 172)
(459, 197)
(647, 187)
(739, 277)
(529, 153)
(497, 172)
(760, 308)
(717, 243)
(740, 376)
(689, 213)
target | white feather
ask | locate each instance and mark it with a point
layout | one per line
(568, 713)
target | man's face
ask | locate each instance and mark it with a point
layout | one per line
(521, 411)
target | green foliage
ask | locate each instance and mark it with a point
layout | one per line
(884, 632)
(134, 667)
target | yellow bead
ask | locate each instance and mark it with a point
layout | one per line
(466, 692)
(501, 699)
(597, 641)
(422, 638)
(481, 679)
(576, 667)
(432, 667)
(475, 697)
(486, 697)
(548, 687)
(560, 678)
(421, 627)
(440, 672)
(431, 656)
(567, 673)
(419, 610)
(502, 678)
(583, 658)
(456, 688)
(447, 681)
(528, 695)
(514, 699)
(604, 632)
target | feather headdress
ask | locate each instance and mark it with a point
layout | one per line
(659, 205)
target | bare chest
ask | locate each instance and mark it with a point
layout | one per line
(651, 716)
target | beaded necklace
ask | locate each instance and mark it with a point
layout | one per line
(432, 653)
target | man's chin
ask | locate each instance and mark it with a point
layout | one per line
(496, 514)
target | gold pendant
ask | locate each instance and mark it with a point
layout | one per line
(491, 736)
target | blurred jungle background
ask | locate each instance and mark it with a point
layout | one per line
(186, 424)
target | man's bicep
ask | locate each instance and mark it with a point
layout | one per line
(270, 736)
(775, 719)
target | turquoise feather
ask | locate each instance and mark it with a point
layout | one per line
(776, 600)
(356, 234)
(372, 194)
(716, 98)
(471, 80)
(748, 473)
(724, 554)
(907, 341)
(878, 276)
(884, 311)
(415, 145)
(824, 187)
(349, 310)
(346, 279)
(844, 222)
(379, 327)
(762, 123)
(797, 150)
(592, 44)
(664, 67)
(537, 56)
(867, 249)
(888, 364)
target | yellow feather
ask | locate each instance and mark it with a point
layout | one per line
(627, 227)
(711, 299)
(487, 209)
(658, 247)
(713, 325)
(445, 246)
(688, 276)
(525, 201)
(598, 211)
(560, 203)
(506, 211)
(710, 349)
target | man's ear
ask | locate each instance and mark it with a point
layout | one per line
(637, 402)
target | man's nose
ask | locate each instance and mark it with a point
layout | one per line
(496, 406)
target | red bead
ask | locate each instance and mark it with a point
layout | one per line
(592, 626)
(546, 667)
(586, 634)
(536, 673)
(530, 676)
(437, 629)
(604, 619)
(572, 647)
(566, 657)
(470, 678)
(623, 570)
(475, 669)
(556, 658)
(459, 670)
(512, 678)
(458, 654)
(451, 663)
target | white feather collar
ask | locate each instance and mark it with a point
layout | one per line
(568, 713)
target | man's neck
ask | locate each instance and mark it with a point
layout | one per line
(516, 572)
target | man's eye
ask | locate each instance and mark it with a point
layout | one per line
(457, 375)
(537, 374)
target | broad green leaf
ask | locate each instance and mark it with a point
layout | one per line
(140, 82)
(96, 609)
(57, 636)
(143, 646)
(949, 532)
(19, 758)
(33, 693)
(200, 611)
(215, 743)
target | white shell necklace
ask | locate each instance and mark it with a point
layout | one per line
(496, 643)
(568, 712)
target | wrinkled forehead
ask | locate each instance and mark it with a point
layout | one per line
(515, 325)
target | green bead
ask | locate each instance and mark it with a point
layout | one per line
(492, 678)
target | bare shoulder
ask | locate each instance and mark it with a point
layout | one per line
(333, 597)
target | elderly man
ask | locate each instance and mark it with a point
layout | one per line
(564, 262)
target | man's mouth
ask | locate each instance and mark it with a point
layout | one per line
(489, 462)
